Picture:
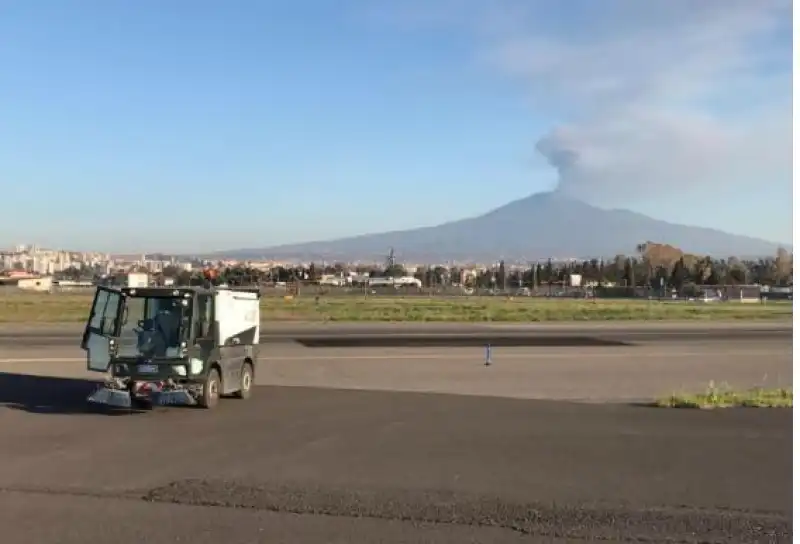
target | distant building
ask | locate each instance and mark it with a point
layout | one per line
(42, 284)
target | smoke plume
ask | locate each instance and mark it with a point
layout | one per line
(683, 94)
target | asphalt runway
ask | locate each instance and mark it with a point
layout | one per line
(451, 334)
(418, 443)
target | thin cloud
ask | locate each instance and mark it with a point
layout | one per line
(647, 94)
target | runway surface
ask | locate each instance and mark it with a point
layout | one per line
(408, 444)
(450, 334)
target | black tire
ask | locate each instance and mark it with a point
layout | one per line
(245, 382)
(209, 397)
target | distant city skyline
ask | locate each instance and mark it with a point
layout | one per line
(149, 128)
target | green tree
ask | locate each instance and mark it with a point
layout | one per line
(421, 274)
(440, 274)
(455, 274)
(485, 279)
(430, 277)
(783, 267)
(680, 274)
(516, 279)
(702, 270)
(647, 265)
(394, 271)
(736, 273)
(548, 272)
(630, 273)
(620, 266)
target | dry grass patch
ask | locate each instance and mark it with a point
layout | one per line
(725, 397)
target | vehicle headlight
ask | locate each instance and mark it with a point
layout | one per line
(179, 370)
(196, 366)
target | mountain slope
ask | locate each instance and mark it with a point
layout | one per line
(536, 227)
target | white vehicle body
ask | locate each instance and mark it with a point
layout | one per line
(138, 279)
(407, 281)
(333, 281)
(237, 315)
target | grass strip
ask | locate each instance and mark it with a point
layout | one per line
(20, 307)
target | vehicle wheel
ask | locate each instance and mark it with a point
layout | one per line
(245, 382)
(210, 396)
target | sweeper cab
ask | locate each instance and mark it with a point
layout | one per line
(172, 346)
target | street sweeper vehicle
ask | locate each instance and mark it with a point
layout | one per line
(172, 346)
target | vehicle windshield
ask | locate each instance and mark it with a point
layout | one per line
(153, 327)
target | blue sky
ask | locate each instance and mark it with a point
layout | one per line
(200, 125)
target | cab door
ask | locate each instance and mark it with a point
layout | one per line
(102, 328)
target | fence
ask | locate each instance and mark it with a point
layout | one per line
(707, 292)
(745, 293)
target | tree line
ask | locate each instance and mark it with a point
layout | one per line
(655, 266)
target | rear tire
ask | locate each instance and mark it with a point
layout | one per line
(209, 397)
(245, 382)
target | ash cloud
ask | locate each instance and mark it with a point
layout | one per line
(683, 96)
(653, 99)
(658, 154)
(563, 157)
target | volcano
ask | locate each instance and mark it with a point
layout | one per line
(540, 226)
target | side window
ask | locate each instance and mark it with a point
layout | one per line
(104, 312)
(135, 310)
(98, 310)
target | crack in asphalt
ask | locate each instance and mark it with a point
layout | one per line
(619, 522)
(585, 522)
